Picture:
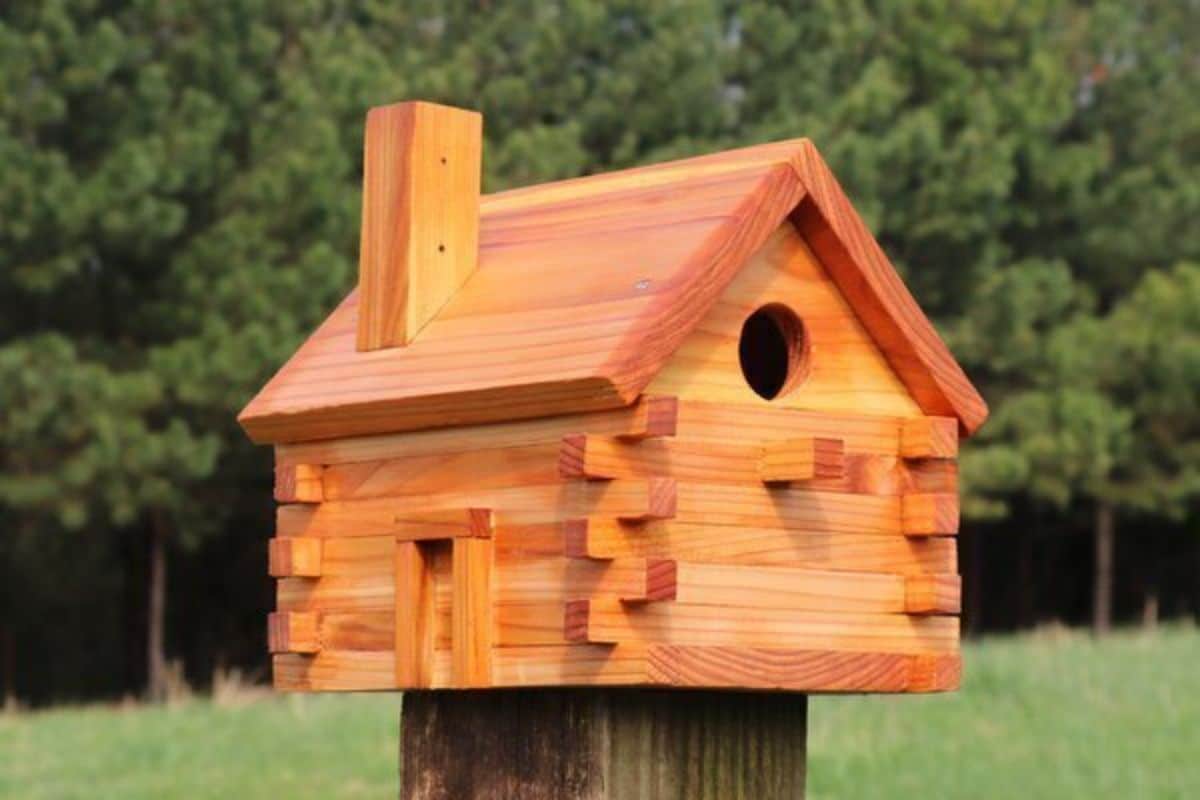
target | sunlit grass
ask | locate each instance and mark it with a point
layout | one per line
(318, 746)
(1052, 715)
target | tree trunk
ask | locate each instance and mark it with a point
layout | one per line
(1150, 580)
(135, 558)
(1196, 585)
(972, 582)
(1102, 579)
(8, 639)
(602, 744)
(8, 666)
(1150, 609)
(156, 661)
(1027, 580)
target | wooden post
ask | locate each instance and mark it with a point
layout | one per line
(602, 744)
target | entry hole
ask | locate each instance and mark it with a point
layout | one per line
(773, 351)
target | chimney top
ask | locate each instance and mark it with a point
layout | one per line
(420, 217)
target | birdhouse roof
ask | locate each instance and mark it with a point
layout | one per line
(584, 288)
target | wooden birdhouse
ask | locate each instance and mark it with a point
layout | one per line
(676, 426)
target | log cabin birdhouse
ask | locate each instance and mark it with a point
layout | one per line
(681, 426)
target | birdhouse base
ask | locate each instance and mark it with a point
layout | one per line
(602, 744)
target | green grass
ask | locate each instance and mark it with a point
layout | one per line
(1044, 716)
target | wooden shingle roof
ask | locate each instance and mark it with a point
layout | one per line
(584, 289)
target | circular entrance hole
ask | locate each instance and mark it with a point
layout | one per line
(773, 351)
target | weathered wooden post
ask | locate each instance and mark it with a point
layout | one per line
(602, 743)
(610, 474)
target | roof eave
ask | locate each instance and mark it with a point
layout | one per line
(866, 277)
(422, 412)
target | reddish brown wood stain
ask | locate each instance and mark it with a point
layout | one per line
(560, 478)
(585, 288)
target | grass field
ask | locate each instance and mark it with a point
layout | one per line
(1041, 716)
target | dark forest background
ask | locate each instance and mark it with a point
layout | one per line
(179, 192)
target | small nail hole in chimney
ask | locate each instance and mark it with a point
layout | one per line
(443, 159)
(441, 248)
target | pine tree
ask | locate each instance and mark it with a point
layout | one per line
(179, 197)
(176, 210)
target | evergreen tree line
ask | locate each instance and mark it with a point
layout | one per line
(179, 207)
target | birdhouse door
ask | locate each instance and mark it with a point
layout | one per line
(440, 557)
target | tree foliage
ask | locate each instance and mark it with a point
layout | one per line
(179, 208)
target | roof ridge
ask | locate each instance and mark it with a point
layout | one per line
(724, 162)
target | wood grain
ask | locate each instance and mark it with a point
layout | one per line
(471, 613)
(683, 459)
(935, 672)
(295, 557)
(298, 483)
(789, 588)
(410, 521)
(799, 670)
(630, 421)
(653, 498)
(413, 517)
(860, 268)
(495, 468)
(293, 632)
(420, 217)
(802, 459)
(619, 568)
(414, 615)
(591, 327)
(933, 594)
(811, 671)
(608, 620)
(334, 671)
(602, 745)
(843, 369)
(357, 630)
(588, 329)
(550, 579)
(556, 579)
(357, 593)
(926, 514)
(654, 416)
(703, 421)
(446, 523)
(734, 545)
(929, 437)
(593, 457)
(776, 669)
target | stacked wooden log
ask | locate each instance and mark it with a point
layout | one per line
(673, 542)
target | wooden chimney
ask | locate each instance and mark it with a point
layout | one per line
(420, 217)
